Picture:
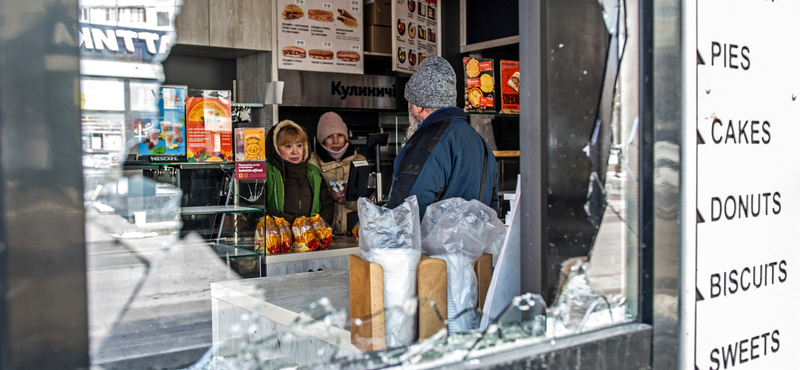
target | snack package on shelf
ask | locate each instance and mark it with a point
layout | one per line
(268, 239)
(323, 230)
(305, 239)
(286, 234)
(355, 230)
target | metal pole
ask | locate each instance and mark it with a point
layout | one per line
(533, 143)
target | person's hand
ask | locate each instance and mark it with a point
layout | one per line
(338, 196)
(342, 195)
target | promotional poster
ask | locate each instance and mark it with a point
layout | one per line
(509, 86)
(479, 90)
(208, 126)
(164, 133)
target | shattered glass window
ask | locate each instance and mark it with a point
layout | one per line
(164, 298)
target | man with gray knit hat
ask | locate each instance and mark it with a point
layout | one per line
(444, 156)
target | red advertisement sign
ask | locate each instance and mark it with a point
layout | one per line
(509, 86)
(251, 170)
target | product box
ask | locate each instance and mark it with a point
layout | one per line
(378, 39)
(509, 86)
(479, 91)
(209, 137)
(378, 13)
(250, 144)
(163, 133)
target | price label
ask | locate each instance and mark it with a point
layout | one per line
(300, 42)
(327, 6)
(354, 3)
(354, 9)
(300, 2)
(355, 47)
(327, 45)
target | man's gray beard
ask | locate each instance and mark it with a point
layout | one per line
(413, 124)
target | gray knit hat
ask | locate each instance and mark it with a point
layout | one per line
(433, 85)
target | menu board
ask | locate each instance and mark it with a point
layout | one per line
(321, 35)
(509, 86)
(416, 33)
(479, 81)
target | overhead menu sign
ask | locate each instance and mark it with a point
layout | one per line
(321, 35)
(415, 33)
(741, 185)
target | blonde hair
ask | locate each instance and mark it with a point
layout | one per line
(291, 134)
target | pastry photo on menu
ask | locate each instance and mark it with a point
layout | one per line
(421, 32)
(292, 11)
(346, 18)
(432, 9)
(422, 9)
(320, 15)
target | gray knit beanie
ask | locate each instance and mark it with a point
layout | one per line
(433, 85)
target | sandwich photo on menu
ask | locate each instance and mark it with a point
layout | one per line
(293, 52)
(347, 19)
(320, 15)
(292, 11)
(320, 54)
(348, 56)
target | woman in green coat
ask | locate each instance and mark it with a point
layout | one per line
(294, 187)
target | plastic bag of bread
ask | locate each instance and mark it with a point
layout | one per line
(355, 231)
(286, 234)
(268, 239)
(305, 239)
(323, 230)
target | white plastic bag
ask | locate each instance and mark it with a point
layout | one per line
(391, 238)
(459, 232)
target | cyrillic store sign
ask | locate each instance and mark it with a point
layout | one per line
(339, 90)
(123, 44)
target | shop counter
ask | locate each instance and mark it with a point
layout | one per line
(247, 313)
(335, 257)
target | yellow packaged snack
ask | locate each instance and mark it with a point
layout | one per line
(323, 230)
(268, 239)
(285, 233)
(305, 239)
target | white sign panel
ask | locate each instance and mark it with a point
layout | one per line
(415, 33)
(321, 35)
(742, 127)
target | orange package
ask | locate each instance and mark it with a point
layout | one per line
(323, 230)
(268, 239)
(355, 231)
(286, 234)
(305, 239)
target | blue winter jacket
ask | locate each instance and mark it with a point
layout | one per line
(453, 168)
